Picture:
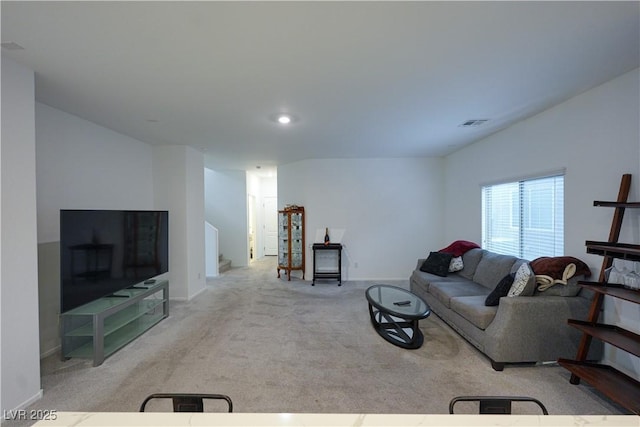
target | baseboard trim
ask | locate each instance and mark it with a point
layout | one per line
(50, 351)
(198, 293)
(23, 405)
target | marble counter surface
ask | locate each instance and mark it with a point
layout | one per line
(117, 419)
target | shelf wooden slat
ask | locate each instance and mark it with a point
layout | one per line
(617, 204)
(617, 386)
(613, 290)
(614, 335)
(615, 250)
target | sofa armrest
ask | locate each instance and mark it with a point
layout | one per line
(534, 328)
(420, 262)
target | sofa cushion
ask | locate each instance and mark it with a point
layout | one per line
(473, 309)
(492, 268)
(437, 263)
(444, 291)
(470, 259)
(420, 279)
(501, 290)
(571, 289)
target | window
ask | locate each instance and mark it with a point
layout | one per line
(524, 218)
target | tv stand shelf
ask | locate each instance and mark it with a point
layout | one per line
(98, 329)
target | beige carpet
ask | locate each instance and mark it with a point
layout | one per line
(279, 346)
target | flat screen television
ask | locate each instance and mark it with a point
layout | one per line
(104, 251)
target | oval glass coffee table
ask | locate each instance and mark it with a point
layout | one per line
(395, 313)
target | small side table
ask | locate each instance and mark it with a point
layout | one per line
(323, 271)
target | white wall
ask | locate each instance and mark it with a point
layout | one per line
(226, 209)
(596, 137)
(386, 212)
(20, 383)
(80, 165)
(194, 164)
(1, 345)
(179, 188)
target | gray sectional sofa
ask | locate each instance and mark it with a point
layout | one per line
(520, 328)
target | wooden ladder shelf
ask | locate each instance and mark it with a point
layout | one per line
(618, 386)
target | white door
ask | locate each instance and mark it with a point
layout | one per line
(271, 226)
(252, 227)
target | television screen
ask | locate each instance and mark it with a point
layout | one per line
(104, 251)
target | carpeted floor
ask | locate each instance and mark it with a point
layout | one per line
(279, 346)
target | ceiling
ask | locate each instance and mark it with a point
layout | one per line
(364, 79)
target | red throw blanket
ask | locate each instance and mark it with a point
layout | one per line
(550, 271)
(459, 247)
(554, 266)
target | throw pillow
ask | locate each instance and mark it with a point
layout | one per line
(524, 282)
(437, 263)
(501, 290)
(456, 264)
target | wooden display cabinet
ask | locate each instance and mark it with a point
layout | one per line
(291, 255)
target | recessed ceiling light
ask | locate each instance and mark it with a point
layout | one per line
(283, 118)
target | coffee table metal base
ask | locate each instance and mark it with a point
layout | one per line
(401, 332)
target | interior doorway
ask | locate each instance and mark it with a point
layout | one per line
(270, 226)
(253, 226)
(262, 213)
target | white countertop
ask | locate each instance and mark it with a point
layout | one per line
(116, 419)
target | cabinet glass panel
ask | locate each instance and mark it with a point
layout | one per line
(283, 241)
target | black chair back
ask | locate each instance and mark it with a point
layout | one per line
(495, 404)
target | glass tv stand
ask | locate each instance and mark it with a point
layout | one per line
(98, 329)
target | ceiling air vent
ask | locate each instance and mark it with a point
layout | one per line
(11, 46)
(473, 123)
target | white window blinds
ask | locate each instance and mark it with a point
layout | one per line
(524, 218)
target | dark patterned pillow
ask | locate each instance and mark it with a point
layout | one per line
(437, 263)
(501, 290)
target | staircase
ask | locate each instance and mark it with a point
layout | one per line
(223, 264)
(211, 251)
